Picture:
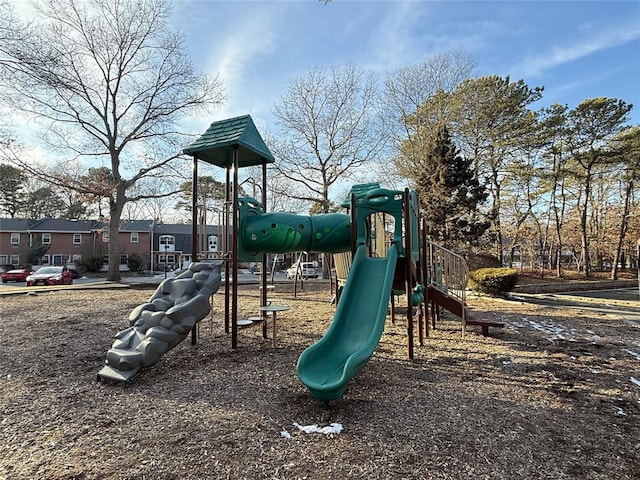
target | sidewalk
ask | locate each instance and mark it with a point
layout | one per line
(137, 281)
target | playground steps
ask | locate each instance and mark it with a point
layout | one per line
(441, 299)
(111, 373)
(456, 306)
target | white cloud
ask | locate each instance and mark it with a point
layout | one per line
(235, 54)
(533, 66)
(392, 37)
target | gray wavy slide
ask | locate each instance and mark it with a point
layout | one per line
(165, 320)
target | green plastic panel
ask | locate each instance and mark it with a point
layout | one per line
(327, 366)
(287, 232)
(216, 145)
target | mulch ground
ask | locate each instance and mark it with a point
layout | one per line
(555, 394)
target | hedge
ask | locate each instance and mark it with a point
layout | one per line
(493, 281)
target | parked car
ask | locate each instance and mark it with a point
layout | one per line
(72, 268)
(50, 276)
(6, 267)
(18, 275)
(306, 270)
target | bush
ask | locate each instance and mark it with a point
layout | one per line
(134, 262)
(476, 261)
(91, 264)
(493, 281)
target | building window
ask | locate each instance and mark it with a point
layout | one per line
(213, 243)
(15, 260)
(134, 237)
(46, 239)
(167, 240)
(46, 259)
(15, 239)
(77, 238)
(124, 258)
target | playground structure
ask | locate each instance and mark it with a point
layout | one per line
(163, 321)
(327, 366)
(383, 253)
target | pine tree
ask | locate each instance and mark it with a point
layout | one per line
(450, 193)
(12, 194)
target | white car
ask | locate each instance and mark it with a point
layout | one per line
(306, 270)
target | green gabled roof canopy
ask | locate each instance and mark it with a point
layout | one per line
(359, 189)
(215, 146)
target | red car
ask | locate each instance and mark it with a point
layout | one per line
(50, 276)
(18, 275)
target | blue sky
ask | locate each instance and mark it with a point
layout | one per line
(575, 49)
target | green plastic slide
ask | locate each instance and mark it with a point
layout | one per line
(327, 366)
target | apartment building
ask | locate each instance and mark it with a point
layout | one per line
(55, 241)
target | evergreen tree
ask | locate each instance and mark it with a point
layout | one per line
(450, 193)
(12, 195)
(44, 202)
(210, 197)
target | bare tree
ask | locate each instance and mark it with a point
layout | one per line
(11, 32)
(328, 129)
(414, 103)
(108, 80)
(410, 87)
(160, 209)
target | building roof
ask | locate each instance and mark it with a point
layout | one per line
(15, 224)
(136, 225)
(180, 228)
(216, 145)
(69, 226)
(61, 225)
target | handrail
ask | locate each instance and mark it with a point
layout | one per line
(448, 272)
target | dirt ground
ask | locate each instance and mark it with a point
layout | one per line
(554, 395)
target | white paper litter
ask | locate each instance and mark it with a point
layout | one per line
(331, 428)
(635, 381)
(285, 434)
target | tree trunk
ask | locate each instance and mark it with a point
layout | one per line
(624, 222)
(496, 207)
(583, 226)
(116, 205)
(114, 248)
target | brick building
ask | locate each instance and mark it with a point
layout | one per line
(55, 241)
